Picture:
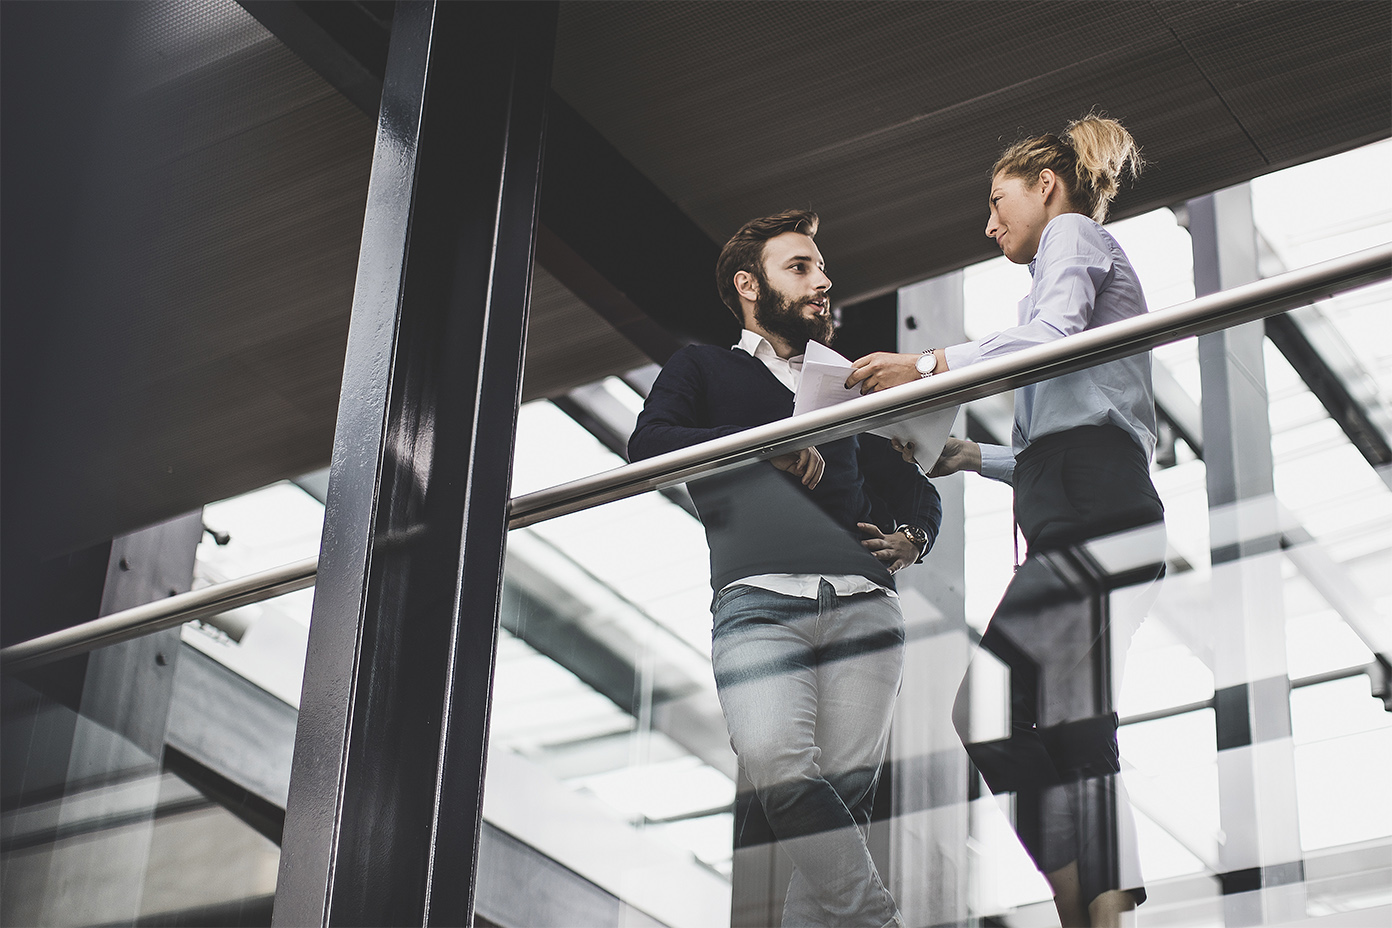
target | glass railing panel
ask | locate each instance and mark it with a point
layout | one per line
(1343, 745)
(151, 785)
(105, 822)
(608, 755)
(1177, 769)
(1180, 653)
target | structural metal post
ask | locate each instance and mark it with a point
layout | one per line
(1260, 855)
(384, 808)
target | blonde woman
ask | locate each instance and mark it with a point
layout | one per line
(1079, 464)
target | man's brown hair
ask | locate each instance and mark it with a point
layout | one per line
(745, 251)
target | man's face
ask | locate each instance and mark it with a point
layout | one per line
(792, 302)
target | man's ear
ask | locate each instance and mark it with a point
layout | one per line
(746, 286)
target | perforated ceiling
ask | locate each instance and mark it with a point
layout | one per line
(886, 117)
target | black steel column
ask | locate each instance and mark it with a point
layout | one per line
(383, 816)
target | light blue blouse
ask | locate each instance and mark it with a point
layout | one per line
(1082, 280)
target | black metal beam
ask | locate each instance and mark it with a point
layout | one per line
(619, 229)
(1329, 388)
(346, 43)
(385, 804)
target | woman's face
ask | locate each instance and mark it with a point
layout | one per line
(1018, 216)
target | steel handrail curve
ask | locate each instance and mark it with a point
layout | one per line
(1084, 349)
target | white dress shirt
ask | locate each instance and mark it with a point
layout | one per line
(1082, 280)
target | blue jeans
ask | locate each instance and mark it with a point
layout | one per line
(808, 689)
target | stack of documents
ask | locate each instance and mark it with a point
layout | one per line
(823, 384)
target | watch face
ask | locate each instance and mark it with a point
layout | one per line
(927, 363)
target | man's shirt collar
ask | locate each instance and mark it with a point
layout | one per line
(755, 345)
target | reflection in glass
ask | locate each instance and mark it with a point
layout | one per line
(97, 830)
(608, 754)
(1064, 640)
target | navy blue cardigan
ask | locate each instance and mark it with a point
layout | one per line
(761, 520)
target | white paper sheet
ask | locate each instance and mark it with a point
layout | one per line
(823, 384)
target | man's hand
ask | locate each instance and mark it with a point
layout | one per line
(882, 370)
(807, 464)
(957, 454)
(894, 551)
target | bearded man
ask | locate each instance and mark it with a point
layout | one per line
(808, 639)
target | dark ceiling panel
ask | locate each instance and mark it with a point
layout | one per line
(704, 96)
(928, 211)
(1303, 78)
(620, 243)
(885, 117)
(568, 344)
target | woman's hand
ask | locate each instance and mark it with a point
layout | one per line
(882, 370)
(958, 454)
(807, 464)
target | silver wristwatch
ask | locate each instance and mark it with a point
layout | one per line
(927, 363)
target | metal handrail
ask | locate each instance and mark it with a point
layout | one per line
(1031, 365)
(160, 614)
(1371, 670)
(1085, 349)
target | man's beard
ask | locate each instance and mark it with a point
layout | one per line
(779, 315)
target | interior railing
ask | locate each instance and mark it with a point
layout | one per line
(1085, 349)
